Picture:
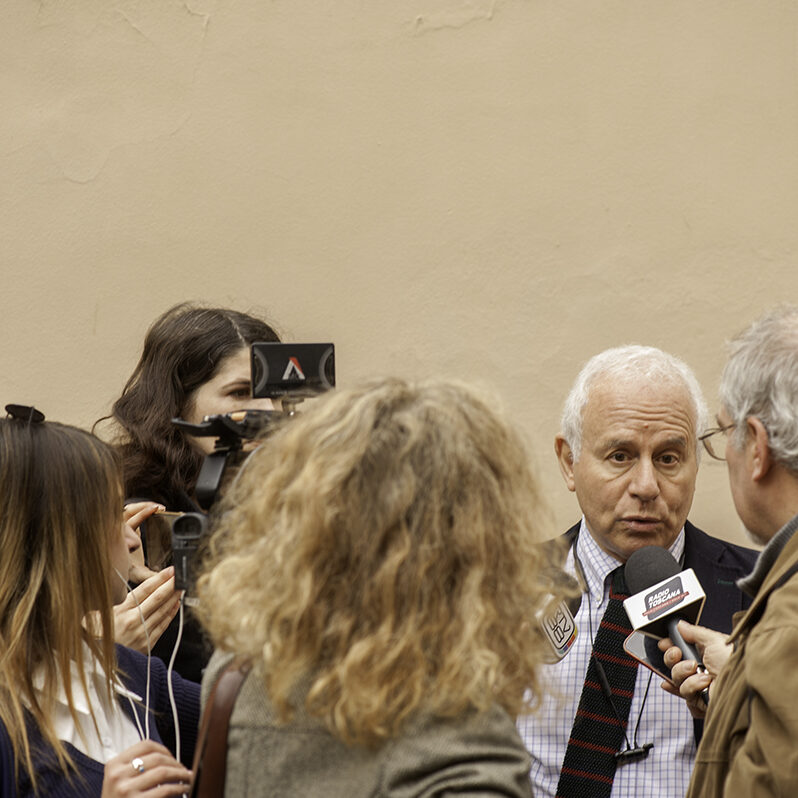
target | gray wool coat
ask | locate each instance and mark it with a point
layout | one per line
(476, 755)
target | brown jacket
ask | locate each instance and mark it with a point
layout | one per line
(750, 743)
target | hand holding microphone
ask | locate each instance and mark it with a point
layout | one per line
(664, 595)
(690, 681)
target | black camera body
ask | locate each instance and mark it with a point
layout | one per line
(290, 372)
(188, 530)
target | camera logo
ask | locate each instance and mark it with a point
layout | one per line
(293, 371)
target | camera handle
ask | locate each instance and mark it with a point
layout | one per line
(210, 476)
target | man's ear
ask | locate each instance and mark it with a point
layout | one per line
(758, 448)
(565, 458)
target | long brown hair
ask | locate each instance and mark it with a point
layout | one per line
(183, 349)
(384, 547)
(61, 503)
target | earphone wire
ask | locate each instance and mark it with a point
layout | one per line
(170, 687)
(172, 703)
(145, 734)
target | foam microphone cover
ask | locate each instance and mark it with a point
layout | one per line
(647, 566)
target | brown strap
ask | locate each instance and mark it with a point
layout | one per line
(210, 756)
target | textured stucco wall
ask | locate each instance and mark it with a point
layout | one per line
(494, 190)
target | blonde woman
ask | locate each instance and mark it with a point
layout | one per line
(380, 567)
(79, 717)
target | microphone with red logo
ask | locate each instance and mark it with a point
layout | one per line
(663, 595)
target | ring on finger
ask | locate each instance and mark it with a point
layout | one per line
(138, 764)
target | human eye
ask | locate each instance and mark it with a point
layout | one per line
(669, 459)
(619, 457)
(239, 392)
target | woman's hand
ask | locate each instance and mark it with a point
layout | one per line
(156, 601)
(714, 652)
(146, 768)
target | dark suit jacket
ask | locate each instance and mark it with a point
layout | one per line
(718, 565)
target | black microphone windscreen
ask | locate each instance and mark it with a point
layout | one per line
(647, 566)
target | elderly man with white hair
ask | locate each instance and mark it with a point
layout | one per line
(749, 744)
(629, 449)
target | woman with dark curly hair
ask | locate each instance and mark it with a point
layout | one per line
(378, 565)
(195, 362)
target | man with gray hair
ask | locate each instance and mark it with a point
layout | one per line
(629, 449)
(749, 744)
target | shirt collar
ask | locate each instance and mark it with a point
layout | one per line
(595, 564)
(95, 680)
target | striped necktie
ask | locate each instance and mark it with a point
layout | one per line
(597, 735)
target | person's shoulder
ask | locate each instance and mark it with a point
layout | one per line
(559, 545)
(433, 752)
(722, 553)
(570, 535)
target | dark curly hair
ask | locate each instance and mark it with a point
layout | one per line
(183, 349)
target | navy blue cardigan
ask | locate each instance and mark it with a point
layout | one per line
(89, 780)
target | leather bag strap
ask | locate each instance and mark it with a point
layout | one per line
(210, 757)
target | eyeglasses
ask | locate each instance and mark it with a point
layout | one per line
(706, 439)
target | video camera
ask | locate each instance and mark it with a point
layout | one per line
(289, 372)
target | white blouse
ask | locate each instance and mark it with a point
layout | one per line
(114, 731)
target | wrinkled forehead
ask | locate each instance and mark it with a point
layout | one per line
(662, 404)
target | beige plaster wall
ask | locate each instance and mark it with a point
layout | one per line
(494, 189)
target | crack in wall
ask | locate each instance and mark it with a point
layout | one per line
(454, 19)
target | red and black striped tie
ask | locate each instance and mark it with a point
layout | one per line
(598, 732)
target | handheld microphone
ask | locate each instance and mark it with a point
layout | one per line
(663, 595)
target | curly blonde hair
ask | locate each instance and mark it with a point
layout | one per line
(383, 549)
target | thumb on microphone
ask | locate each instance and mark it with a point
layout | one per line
(712, 646)
(714, 651)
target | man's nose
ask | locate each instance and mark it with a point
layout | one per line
(644, 484)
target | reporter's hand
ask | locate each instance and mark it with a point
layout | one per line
(159, 775)
(714, 652)
(155, 599)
